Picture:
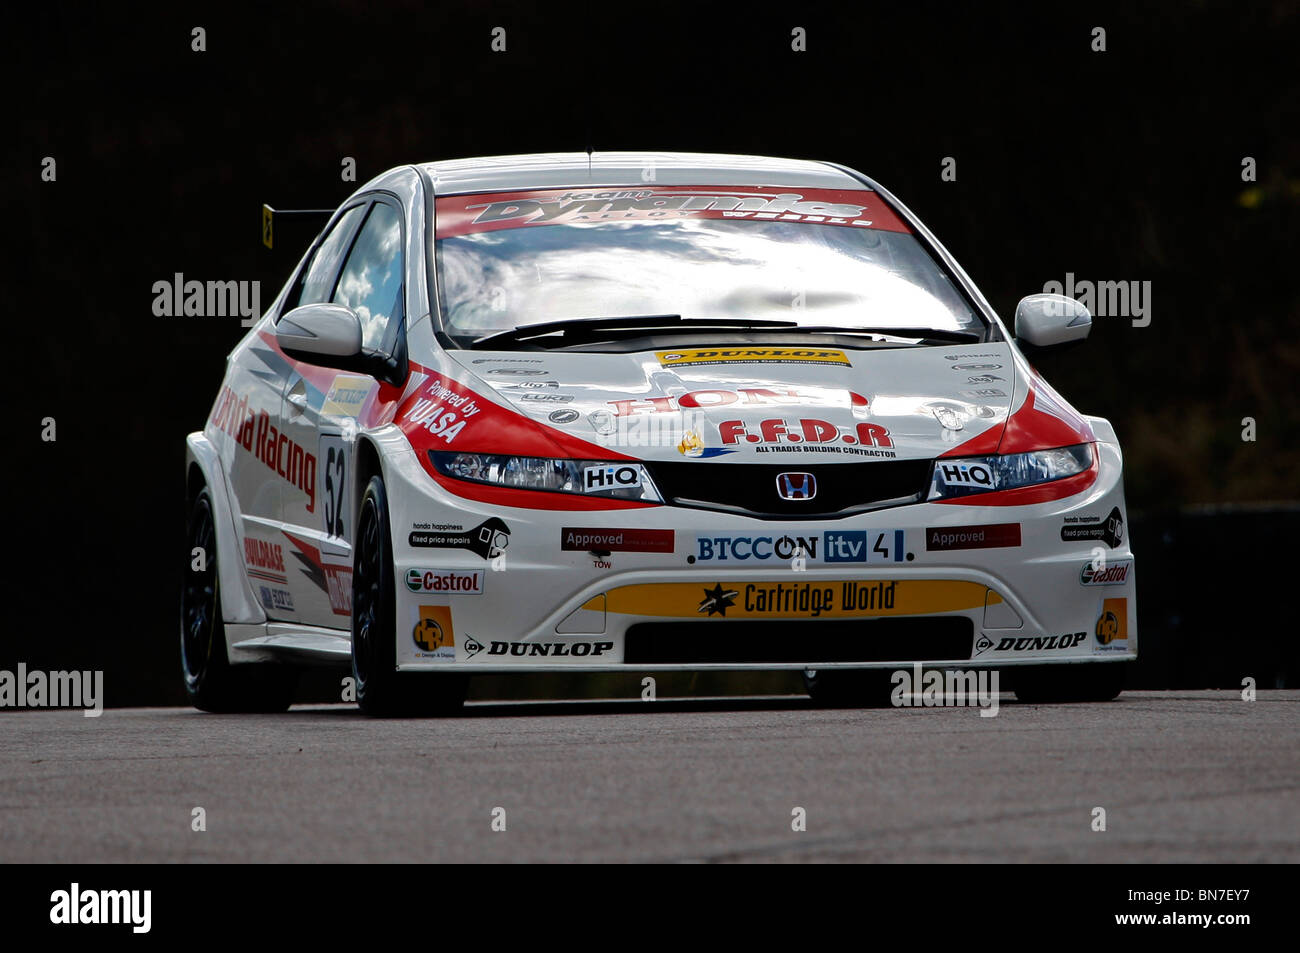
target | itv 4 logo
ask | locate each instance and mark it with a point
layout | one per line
(864, 546)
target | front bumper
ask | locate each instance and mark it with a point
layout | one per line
(487, 588)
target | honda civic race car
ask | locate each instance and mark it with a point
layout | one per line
(646, 412)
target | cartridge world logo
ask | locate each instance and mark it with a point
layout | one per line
(37, 689)
(953, 688)
(208, 299)
(102, 907)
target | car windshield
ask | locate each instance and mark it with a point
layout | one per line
(819, 258)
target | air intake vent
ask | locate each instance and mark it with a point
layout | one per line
(751, 489)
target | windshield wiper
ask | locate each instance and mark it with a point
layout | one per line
(571, 330)
(925, 334)
(575, 330)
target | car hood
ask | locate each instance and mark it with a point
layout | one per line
(770, 405)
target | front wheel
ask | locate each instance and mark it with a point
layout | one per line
(381, 689)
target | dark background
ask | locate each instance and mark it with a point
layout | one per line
(1120, 165)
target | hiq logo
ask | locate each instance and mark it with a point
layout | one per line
(966, 474)
(610, 477)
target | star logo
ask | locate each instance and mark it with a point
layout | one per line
(718, 600)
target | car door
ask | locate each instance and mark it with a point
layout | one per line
(241, 420)
(274, 562)
(320, 414)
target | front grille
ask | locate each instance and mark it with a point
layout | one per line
(750, 488)
(940, 638)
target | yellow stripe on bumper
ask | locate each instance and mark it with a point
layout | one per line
(773, 599)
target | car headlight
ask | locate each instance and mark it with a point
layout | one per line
(618, 480)
(964, 476)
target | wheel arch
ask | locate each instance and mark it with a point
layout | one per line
(367, 461)
(203, 468)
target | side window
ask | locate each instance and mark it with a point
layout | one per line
(371, 282)
(318, 280)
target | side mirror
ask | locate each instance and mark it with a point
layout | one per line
(320, 333)
(329, 335)
(1043, 320)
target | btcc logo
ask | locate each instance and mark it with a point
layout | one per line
(761, 548)
(833, 546)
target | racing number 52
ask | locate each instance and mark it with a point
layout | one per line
(335, 480)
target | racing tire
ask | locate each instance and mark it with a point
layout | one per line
(380, 689)
(211, 682)
(848, 688)
(1050, 684)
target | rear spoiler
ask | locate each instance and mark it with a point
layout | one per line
(270, 214)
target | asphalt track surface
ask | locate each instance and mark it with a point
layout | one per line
(1182, 776)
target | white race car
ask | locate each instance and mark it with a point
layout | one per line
(646, 412)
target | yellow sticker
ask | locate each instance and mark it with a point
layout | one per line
(346, 395)
(700, 357)
(691, 445)
(1112, 624)
(812, 599)
(433, 633)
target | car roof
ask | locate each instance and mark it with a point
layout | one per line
(561, 170)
